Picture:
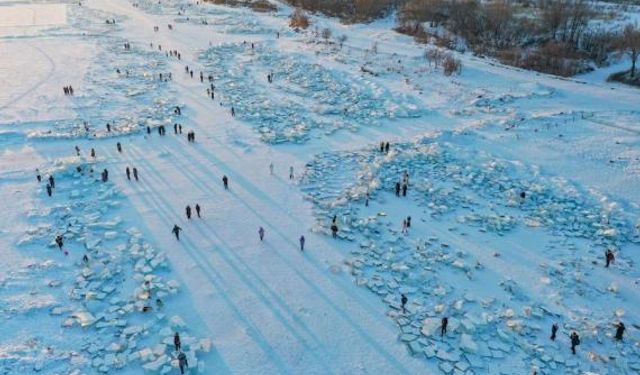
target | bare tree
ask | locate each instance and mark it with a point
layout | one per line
(630, 44)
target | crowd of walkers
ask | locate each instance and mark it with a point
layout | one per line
(68, 90)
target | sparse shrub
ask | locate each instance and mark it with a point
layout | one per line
(299, 19)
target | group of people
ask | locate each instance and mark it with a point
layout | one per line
(128, 172)
(403, 185)
(188, 211)
(68, 90)
(182, 358)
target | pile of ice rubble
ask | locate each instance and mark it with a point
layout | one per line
(112, 298)
(122, 88)
(501, 327)
(304, 97)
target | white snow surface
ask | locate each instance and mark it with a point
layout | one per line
(502, 268)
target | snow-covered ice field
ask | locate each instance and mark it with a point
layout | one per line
(502, 267)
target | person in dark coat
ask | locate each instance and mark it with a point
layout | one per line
(403, 302)
(128, 171)
(334, 230)
(620, 328)
(38, 175)
(182, 362)
(188, 212)
(609, 257)
(176, 230)
(119, 147)
(554, 330)
(135, 173)
(261, 233)
(443, 326)
(52, 182)
(233, 112)
(408, 221)
(198, 210)
(575, 341)
(397, 189)
(225, 182)
(93, 153)
(176, 342)
(302, 241)
(386, 148)
(59, 241)
(404, 190)
(49, 190)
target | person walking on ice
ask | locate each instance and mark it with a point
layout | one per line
(198, 211)
(176, 342)
(403, 303)
(554, 330)
(59, 242)
(135, 173)
(575, 341)
(176, 230)
(128, 171)
(188, 212)
(182, 362)
(119, 147)
(225, 182)
(620, 328)
(302, 240)
(291, 173)
(609, 257)
(334, 230)
(261, 233)
(443, 326)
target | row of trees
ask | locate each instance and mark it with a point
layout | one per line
(551, 36)
(348, 10)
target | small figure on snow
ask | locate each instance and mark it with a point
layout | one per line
(334, 230)
(225, 182)
(128, 171)
(176, 230)
(135, 173)
(403, 303)
(609, 257)
(198, 211)
(261, 233)
(176, 342)
(302, 240)
(620, 328)
(182, 362)
(188, 212)
(554, 330)
(443, 326)
(575, 341)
